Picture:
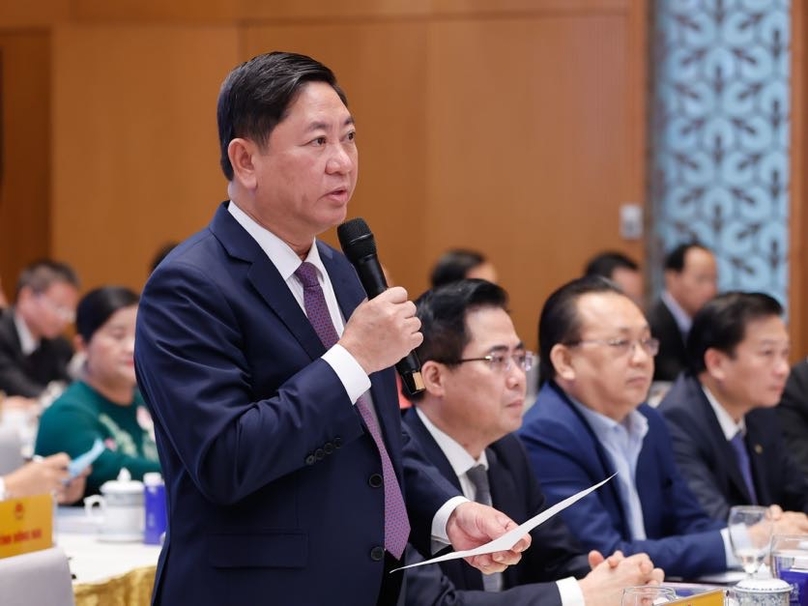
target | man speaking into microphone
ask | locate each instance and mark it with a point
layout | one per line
(270, 380)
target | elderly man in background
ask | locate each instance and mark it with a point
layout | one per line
(691, 279)
(590, 421)
(33, 353)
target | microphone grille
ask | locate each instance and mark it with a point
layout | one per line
(356, 239)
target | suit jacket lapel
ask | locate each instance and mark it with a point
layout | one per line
(10, 328)
(603, 457)
(472, 577)
(724, 450)
(266, 280)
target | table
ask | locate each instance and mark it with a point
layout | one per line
(106, 574)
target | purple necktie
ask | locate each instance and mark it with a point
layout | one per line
(742, 456)
(396, 524)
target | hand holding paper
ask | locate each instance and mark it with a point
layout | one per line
(472, 524)
(508, 547)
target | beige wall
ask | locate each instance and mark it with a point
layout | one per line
(518, 130)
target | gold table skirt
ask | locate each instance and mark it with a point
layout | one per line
(131, 589)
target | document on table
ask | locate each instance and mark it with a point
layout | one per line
(511, 538)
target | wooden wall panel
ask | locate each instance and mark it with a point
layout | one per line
(520, 137)
(529, 147)
(352, 9)
(25, 167)
(518, 130)
(272, 13)
(134, 142)
(175, 11)
(381, 68)
(24, 13)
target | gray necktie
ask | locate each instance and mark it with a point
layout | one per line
(482, 490)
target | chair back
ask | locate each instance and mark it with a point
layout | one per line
(39, 578)
(10, 450)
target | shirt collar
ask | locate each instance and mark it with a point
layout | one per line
(635, 424)
(279, 252)
(28, 343)
(725, 420)
(683, 320)
(459, 458)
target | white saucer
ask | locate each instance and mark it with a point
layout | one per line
(113, 537)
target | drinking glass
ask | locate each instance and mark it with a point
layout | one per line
(647, 595)
(750, 534)
(790, 563)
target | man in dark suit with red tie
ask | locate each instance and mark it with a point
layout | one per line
(726, 435)
(282, 449)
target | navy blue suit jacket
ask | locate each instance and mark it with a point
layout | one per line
(672, 356)
(708, 462)
(28, 376)
(793, 412)
(555, 554)
(567, 457)
(271, 476)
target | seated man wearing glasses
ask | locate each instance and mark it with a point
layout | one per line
(726, 435)
(590, 421)
(473, 366)
(33, 352)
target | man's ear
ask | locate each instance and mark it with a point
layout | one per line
(241, 153)
(714, 363)
(433, 374)
(561, 360)
(78, 343)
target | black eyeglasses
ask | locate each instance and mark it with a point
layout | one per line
(623, 347)
(503, 362)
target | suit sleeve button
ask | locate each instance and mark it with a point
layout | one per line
(337, 442)
(310, 459)
(328, 447)
(376, 480)
(377, 554)
(319, 454)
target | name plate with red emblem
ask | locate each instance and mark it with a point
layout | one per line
(26, 524)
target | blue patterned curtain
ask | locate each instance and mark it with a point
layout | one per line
(720, 137)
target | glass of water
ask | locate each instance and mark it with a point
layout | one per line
(750, 533)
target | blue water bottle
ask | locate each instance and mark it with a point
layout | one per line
(154, 502)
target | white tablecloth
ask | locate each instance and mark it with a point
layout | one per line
(91, 560)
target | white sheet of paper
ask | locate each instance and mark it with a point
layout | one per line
(511, 538)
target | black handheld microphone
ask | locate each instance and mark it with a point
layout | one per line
(359, 246)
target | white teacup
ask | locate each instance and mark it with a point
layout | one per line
(119, 512)
(760, 592)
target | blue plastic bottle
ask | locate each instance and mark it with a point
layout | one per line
(154, 502)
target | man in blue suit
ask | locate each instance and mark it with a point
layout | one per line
(726, 435)
(474, 364)
(589, 421)
(269, 377)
